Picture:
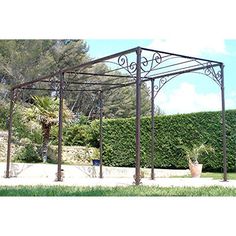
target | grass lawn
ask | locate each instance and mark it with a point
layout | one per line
(115, 191)
(231, 176)
(214, 175)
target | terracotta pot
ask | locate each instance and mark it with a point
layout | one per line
(195, 169)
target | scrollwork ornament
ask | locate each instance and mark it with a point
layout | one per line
(160, 84)
(148, 65)
(124, 63)
(210, 72)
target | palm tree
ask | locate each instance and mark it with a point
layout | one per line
(46, 112)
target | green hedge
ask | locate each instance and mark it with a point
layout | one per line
(170, 132)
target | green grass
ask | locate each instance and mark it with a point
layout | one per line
(214, 175)
(231, 176)
(115, 191)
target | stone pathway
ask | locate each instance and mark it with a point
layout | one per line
(44, 174)
(111, 182)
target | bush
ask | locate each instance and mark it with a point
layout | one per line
(4, 114)
(22, 128)
(170, 132)
(28, 153)
(82, 135)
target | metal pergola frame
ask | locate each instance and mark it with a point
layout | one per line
(137, 65)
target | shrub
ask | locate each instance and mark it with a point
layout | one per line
(4, 114)
(22, 128)
(28, 153)
(77, 134)
(170, 132)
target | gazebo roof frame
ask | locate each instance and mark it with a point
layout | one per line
(137, 65)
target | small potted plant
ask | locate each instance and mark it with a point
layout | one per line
(192, 155)
(95, 157)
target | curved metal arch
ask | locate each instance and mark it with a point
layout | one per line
(202, 73)
(164, 80)
(211, 73)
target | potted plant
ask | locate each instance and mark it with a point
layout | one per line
(95, 157)
(192, 155)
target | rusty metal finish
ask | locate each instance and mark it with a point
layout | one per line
(61, 97)
(152, 130)
(10, 134)
(179, 55)
(138, 117)
(223, 123)
(100, 132)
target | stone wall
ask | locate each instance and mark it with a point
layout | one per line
(70, 154)
(3, 145)
(74, 154)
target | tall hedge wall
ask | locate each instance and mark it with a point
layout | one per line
(170, 132)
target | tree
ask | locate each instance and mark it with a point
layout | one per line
(25, 60)
(118, 102)
(45, 111)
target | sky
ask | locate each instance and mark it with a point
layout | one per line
(186, 93)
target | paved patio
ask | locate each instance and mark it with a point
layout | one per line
(161, 182)
(44, 174)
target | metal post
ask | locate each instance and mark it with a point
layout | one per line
(100, 133)
(10, 135)
(138, 114)
(152, 131)
(59, 175)
(223, 122)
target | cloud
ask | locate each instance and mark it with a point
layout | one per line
(190, 46)
(185, 99)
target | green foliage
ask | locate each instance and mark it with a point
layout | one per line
(77, 134)
(116, 191)
(4, 114)
(193, 154)
(120, 103)
(27, 153)
(170, 132)
(22, 60)
(23, 127)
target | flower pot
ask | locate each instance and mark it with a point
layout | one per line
(96, 162)
(195, 169)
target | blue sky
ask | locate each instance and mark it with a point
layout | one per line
(187, 93)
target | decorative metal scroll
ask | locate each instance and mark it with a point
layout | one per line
(147, 65)
(130, 67)
(211, 73)
(161, 83)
